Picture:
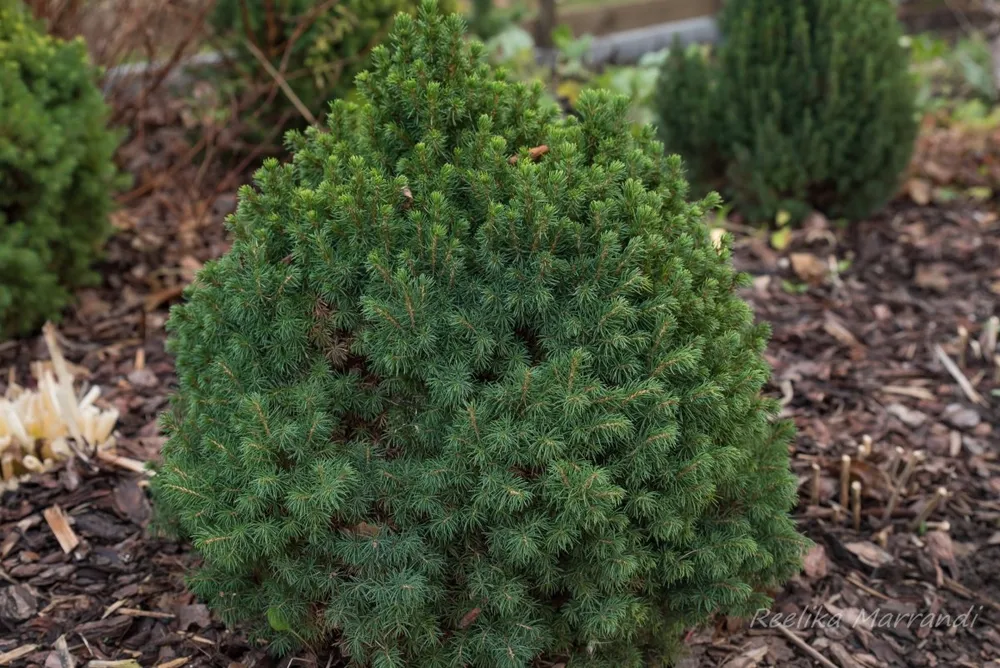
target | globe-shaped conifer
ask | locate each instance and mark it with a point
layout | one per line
(57, 174)
(473, 386)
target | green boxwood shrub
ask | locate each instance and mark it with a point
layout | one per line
(473, 386)
(808, 104)
(56, 171)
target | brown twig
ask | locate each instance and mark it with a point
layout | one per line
(845, 481)
(806, 647)
(163, 176)
(164, 70)
(959, 377)
(865, 448)
(900, 484)
(814, 495)
(282, 83)
(988, 338)
(963, 345)
(939, 495)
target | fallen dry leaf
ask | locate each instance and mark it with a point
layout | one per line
(18, 603)
(908, 416)
(932, 277)
(940, 547)
(874, 480)
(843, 656)
(835, 328)
(937, 172)
(751, 658)
(809, 268)
(815, 564)
(196, 614)
(869, 553)
(851, 617)
(919, 191)
(15, 654)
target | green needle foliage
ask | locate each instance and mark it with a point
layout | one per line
(453, 399)
(56, 171)
(808, 105)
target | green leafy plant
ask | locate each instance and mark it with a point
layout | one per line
(570, 74)
(473, 385)
(487, 20)
(806, 105)
(951, 72)
(56, 171)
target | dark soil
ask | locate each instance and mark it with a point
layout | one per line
(858, 315)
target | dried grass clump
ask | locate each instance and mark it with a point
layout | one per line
(51, 423)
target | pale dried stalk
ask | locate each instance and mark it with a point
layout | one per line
(988, 338)
(963, 344)
(900, 484)
(845, 481)
(50, 423)
(940, 495)
(865, 448)
(814, 496)
(959, 377)
(856, 504)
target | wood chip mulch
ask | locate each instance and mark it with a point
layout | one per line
(878, 332)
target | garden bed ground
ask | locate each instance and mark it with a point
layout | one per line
(854, 351)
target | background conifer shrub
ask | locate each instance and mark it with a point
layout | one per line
(473, 385)
(56, 171)
(317, 47)
(808, 105)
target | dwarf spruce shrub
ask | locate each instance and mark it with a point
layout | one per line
(808, 105)
(56, 171)
(472, 386)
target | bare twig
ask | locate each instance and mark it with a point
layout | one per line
(894, 458)
(900, 484)
(168, 66)
(286, 89)
(845, 481)
(988, 338)
(865, 448)
(928, 508)
(959, 377)
(856, 504)
(814, 494)
(806, 647)
(56, 519)
(963, 345)
(962, 590)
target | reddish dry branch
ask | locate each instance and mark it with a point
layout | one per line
(469, 618)
(535, 154)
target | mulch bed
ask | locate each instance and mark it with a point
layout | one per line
(862, 319)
